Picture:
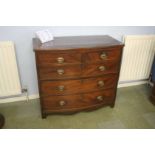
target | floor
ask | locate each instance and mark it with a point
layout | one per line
(132, 110)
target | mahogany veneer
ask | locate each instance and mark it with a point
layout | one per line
(77, 73)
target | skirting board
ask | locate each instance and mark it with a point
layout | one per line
(120, 85)
(36, 96)
(18, 98)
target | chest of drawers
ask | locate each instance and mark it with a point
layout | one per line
(77, 73)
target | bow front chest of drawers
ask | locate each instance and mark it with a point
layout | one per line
(77, 73)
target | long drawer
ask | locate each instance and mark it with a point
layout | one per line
(77, 86)
(78, 101)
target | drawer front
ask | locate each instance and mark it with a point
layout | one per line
(111, 66)
(78, 101)
(59, 72)
(65, 87)
(102, 55)
(48, 58)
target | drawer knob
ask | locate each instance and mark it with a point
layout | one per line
(60, 71)
(60, 60)
(100, 83)
(102, 68)
(103, 56)
(61, 88)
(100, 98)
(62, 103)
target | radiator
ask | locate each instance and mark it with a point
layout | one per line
(9, 76)
(137, 58)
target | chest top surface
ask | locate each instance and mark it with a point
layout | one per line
(76, 42)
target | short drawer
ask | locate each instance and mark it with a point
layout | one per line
(50, 58)
(110, 66)
(59, 72)
(102, 55)
(65, 87)
(78, 101)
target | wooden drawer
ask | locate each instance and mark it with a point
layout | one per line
(59, 72)
(50, 58)
(65, 87)
(102, 55)
(78, 101)
(110, 66)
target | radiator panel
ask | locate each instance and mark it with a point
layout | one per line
(9, 76)
(137, 58)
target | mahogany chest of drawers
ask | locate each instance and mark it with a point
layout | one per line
(77, 73)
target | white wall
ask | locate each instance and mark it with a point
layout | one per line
(22, 36)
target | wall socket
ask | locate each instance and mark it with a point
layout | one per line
(25, 91)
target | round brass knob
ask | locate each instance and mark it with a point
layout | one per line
(103, 56)
(61, 88)
(60, 71)
(100, 83)
(100, 98)
(62, 103)
(60, 60)
(102, 68)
